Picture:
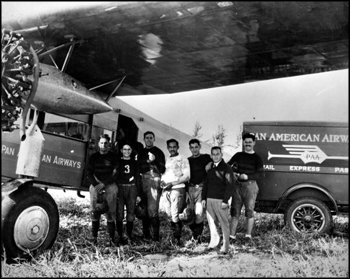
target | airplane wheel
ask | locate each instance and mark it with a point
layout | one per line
(19, 77)
(308, 214)
(30, 222)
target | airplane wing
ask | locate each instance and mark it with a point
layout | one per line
(169, 47)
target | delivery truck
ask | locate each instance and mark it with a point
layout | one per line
(306, 167)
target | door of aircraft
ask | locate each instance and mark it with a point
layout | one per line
(127, 129)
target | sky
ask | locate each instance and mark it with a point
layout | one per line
(314, 97)
(318, 97)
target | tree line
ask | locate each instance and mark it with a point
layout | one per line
(218, 138)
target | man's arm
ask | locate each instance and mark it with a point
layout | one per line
(90, 171)
(229, 180)
(204, 193)
(157, 159)
(259, 167)
(232, 160)
(160, 161)
(205, 188)
(138, 182)
(113, 177)
(186, 172)
(186, 175)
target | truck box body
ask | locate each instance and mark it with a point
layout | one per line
(299, 157)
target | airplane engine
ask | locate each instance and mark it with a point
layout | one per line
(19, 77)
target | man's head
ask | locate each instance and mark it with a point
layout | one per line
(216, 154)
(173, 147)
(195, 147)
(103, 143)
(149, 139)
(248, 142)
(126, 150)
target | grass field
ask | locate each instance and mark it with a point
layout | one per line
(276, 252)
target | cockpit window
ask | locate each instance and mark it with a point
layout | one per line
(65, 126)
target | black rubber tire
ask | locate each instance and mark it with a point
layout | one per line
(30, 221)
(308, 214)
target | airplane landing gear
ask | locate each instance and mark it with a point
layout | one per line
(30, 222)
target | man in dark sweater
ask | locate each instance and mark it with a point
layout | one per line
(247, 167)
(151, 165)
(198, 163)
(101, 173)
(217, 190)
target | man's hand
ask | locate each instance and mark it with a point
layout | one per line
(208, 166)
(165, 186)
(224, 205)
(204, 203)
(138, 200)
(151, 157)
(243, 176)
(99, 187)
(188, 198)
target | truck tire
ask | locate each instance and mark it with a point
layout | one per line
(308, 214)
(30, 222)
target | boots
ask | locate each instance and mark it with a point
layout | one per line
(122, 239)
(177, 232)
(155, 226)
(111, 231)
(197, 233)
(95, 225)
(145, 228)
(120, 228)
(193, 228)
(129, 228)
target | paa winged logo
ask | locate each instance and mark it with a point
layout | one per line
(306, 153)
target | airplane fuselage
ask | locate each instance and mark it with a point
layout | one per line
(60, 93)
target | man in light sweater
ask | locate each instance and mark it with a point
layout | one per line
(177, 172)
(217, 190)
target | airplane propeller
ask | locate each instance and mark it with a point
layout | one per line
(19, 79)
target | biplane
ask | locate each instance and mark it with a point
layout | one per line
(64, 62)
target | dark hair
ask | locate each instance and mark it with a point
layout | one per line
(192, 141)
(148, 132)
(248, 135)
(172, 140)
(105, 136)
(126, 143)
(216, 147)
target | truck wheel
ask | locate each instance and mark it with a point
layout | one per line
(308, 214)
(30, 222)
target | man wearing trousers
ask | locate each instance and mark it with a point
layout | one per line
(177, 173)
(198, 166)
(101, 173)
(217, 190)
(151, 165)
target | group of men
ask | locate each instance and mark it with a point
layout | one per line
(204, 183)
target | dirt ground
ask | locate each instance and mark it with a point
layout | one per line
(243, 264)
